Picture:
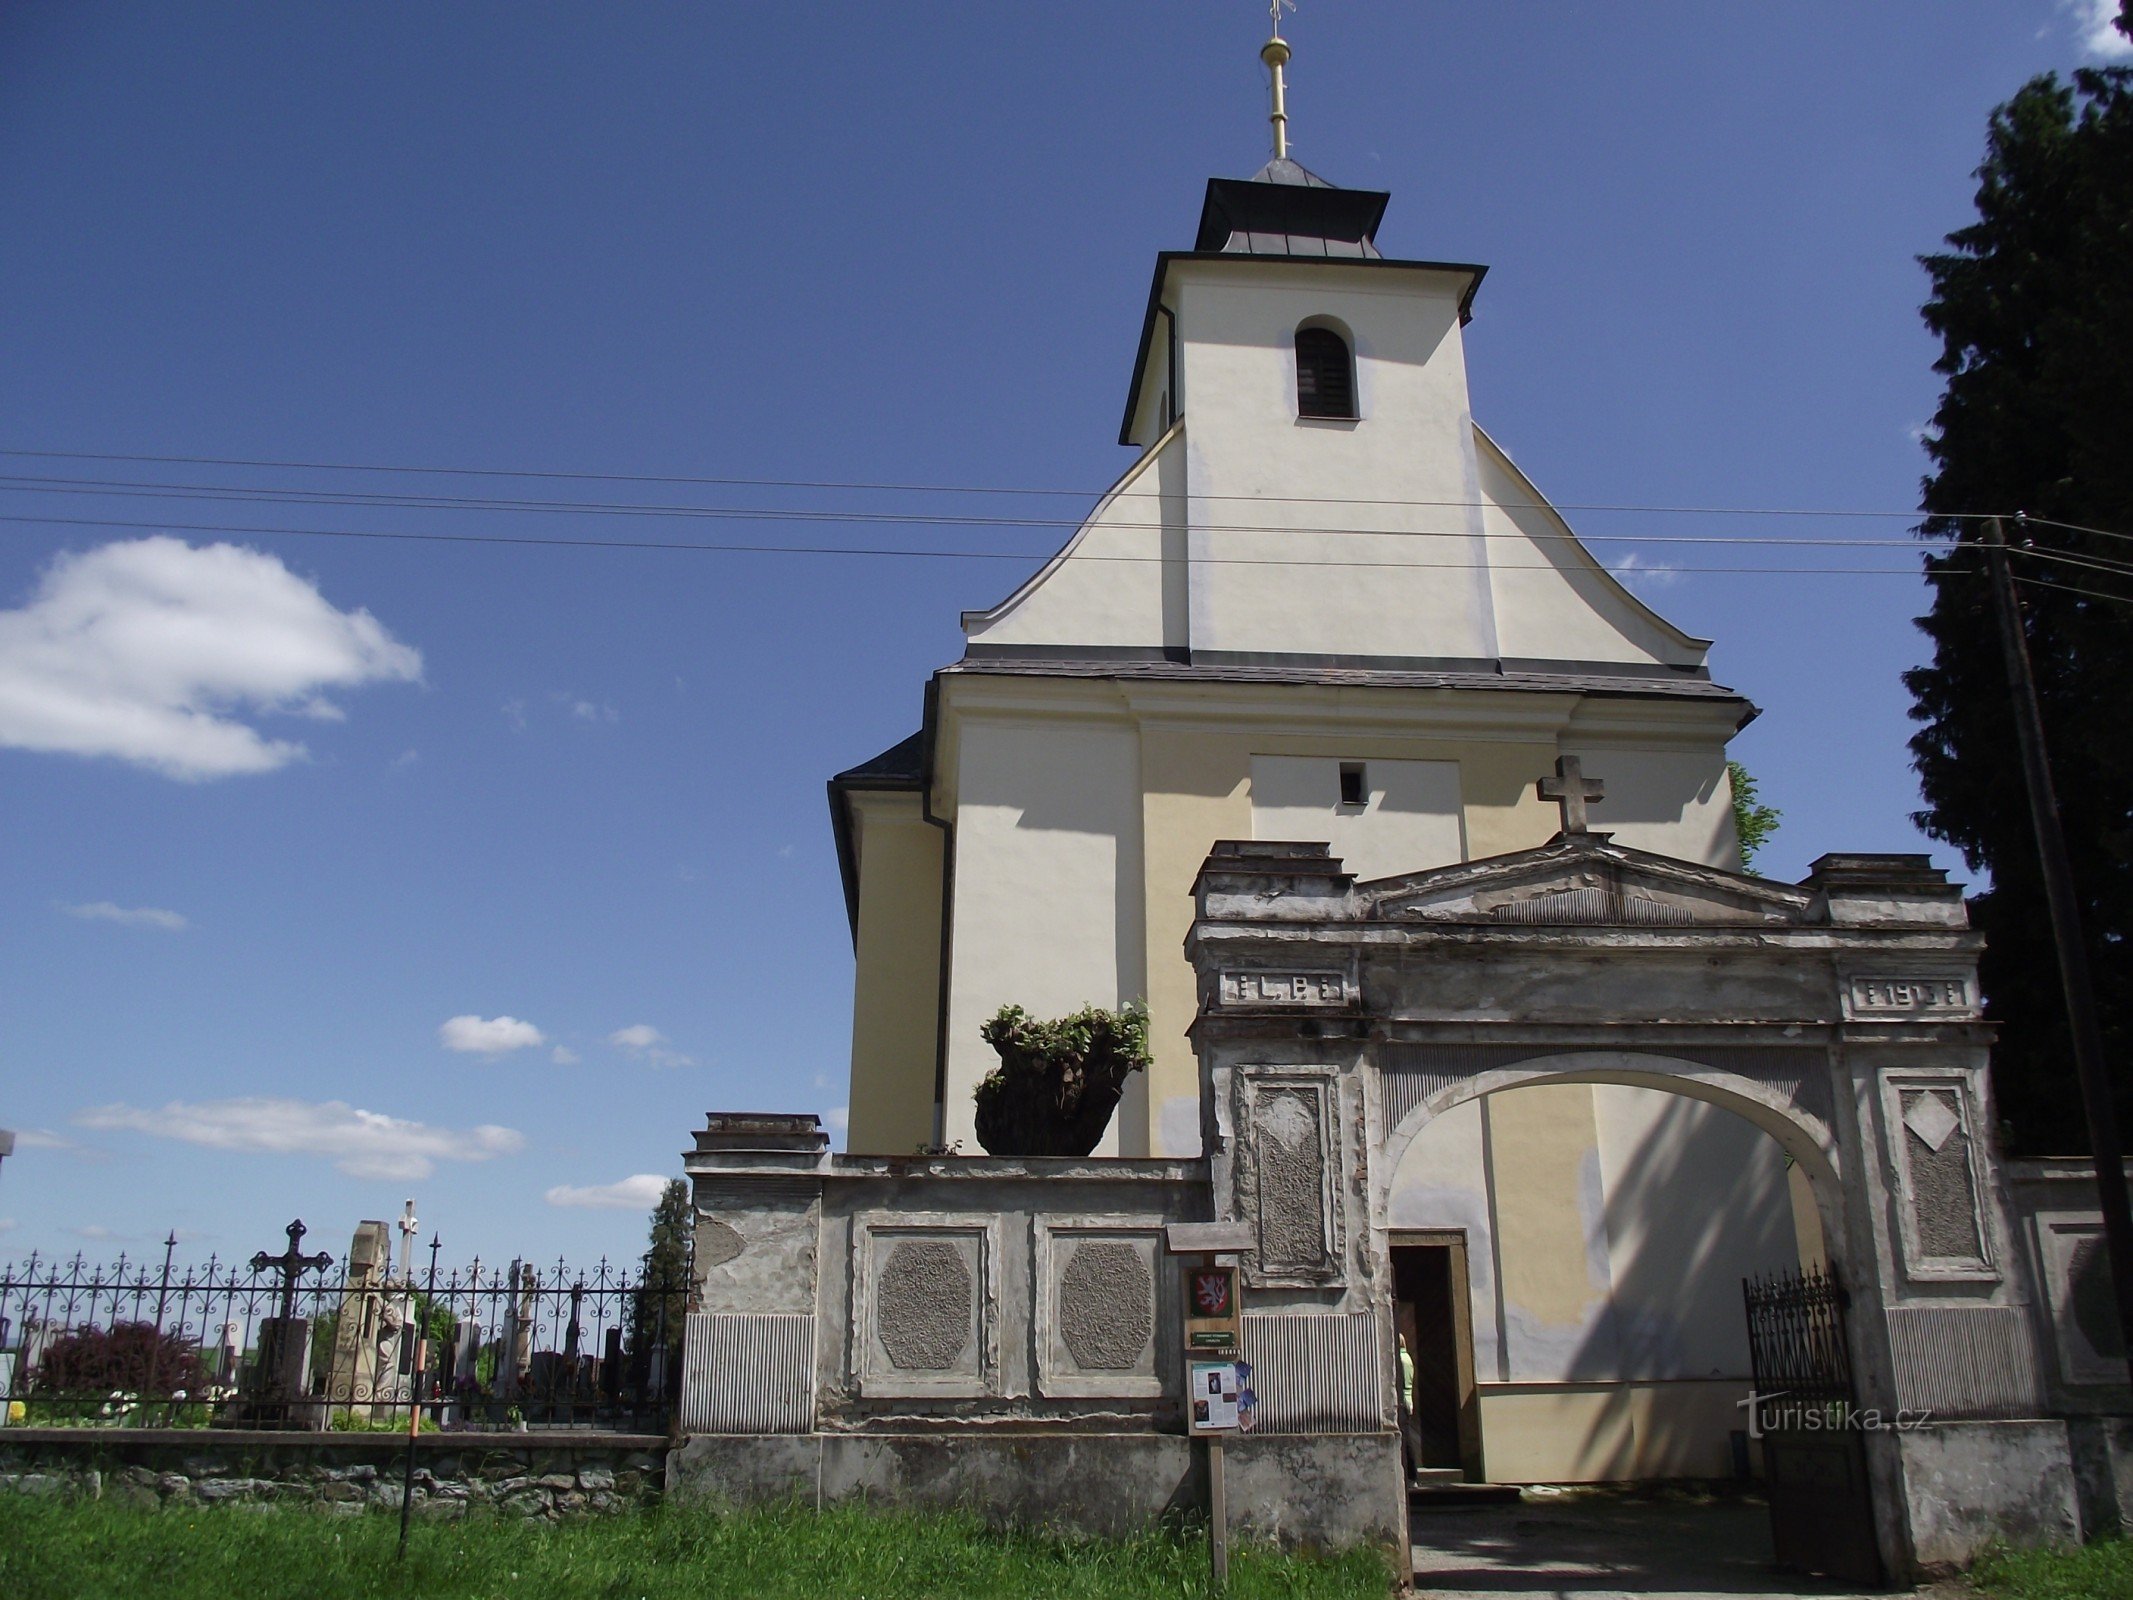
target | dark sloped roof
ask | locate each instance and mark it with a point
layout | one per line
(1282, 170)
(901, 766)
(1478, 675)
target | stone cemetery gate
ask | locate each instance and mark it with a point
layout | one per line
(1006, 1333)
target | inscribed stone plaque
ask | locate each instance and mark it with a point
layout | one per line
(1286, 989)
(2084, 1310)
(923, 1305)
(1909, 996)
(1106, 1305)
(1097, 1307)
(1292, 1183)
(1943, 1197)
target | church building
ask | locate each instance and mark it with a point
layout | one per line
(1323, 604)
(1499, 1129)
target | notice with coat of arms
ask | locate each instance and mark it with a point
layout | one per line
(1210, 1308)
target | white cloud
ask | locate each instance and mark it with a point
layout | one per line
(129, 916)
(1637, 573)
(563, 1056)
(407, 757)
(515, 714)
(648, 1044)
(147, 650)
(639, 1192)
(41, 1139)
(2094, 21)
(838, 1117)
(94, 1230)
(363, 1144)
(488, 1036)
(7, 1224)
(584, 710)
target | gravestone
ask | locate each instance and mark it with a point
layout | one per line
(352, 1379)
(275, 1391)
(227, 1357)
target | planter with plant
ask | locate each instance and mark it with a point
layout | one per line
(1058, 1082)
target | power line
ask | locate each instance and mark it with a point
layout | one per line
(1038, 557)
(135, 490)
(2066, 588)
(960, 488)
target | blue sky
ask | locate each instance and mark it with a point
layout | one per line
(278, 814)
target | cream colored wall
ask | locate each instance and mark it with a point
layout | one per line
(1661, 797)
(1196, 789)
(1411, 585)
(896, 982)
(1409, 818)
(1047, 885)
(1551, 1240)
(1608, 1432)
(1696, 1199)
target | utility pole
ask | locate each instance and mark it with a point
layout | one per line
(2096, 1100)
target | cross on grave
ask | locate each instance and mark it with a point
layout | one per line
(292, 1264)
(1571, 790)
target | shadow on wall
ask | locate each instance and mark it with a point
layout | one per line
(1696, 1199)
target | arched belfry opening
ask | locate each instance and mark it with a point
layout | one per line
(1325, 373)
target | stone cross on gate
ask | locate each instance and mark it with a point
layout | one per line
(292, 1264)
(1571, 790)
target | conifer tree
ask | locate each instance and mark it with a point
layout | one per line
(2033, 305)
(663, 1296)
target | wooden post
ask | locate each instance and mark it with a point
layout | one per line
(1218, 1514)
(2091, 1071)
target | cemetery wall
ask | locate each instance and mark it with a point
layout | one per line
(515, 1475)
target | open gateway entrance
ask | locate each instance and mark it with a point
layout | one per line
(1433, 1320)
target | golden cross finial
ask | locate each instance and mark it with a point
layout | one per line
(1275, 53)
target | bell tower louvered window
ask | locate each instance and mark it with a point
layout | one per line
(1325, 374)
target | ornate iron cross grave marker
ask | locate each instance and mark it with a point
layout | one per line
(292, 1264)
(1571, 790)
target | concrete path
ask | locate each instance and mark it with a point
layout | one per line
(1595, 1545)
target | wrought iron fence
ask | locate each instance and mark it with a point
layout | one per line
(292, 1342)
(1796, 1338)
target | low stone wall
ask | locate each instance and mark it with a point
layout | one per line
(528, 1475)
(1328, 1491)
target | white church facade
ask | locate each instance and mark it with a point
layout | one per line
(1323, 604)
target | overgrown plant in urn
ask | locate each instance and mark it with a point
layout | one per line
(1058, 1082)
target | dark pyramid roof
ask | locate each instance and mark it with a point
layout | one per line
(1285, 209)
(1282, 170)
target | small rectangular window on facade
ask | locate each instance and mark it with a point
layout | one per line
(1354, 791)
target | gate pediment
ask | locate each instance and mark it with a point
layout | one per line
(1584, 880)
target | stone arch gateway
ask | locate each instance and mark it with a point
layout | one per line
(1839, 1016)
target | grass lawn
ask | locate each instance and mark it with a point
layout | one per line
(54, 1548)
(2103, 1569)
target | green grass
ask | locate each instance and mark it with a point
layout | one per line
(2103, 1569)
(50, 1549)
